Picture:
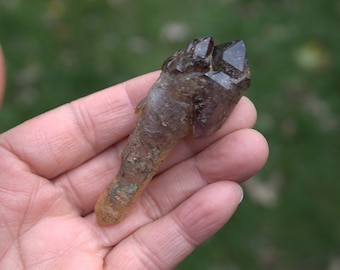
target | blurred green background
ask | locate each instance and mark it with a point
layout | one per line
(57, 51)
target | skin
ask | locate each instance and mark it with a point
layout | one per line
(54, 166)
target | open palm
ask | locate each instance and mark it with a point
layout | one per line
(53, 168)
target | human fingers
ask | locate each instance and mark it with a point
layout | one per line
(79, 183)
(65, 137)
(2, 75)
(164, 243)
(234, 157)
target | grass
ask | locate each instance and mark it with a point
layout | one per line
(57, 51)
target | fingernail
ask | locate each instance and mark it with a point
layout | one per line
(242, 194)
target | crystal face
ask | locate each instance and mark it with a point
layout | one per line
(235, 55)
(221, 78)
(203, 48)
(198, 88)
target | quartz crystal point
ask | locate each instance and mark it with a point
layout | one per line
(197, 90)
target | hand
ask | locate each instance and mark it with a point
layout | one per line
(54, 167)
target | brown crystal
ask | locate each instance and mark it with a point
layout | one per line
(198, 88)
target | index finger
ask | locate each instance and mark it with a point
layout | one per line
(65, 137)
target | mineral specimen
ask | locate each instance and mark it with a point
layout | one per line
(198, 88)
